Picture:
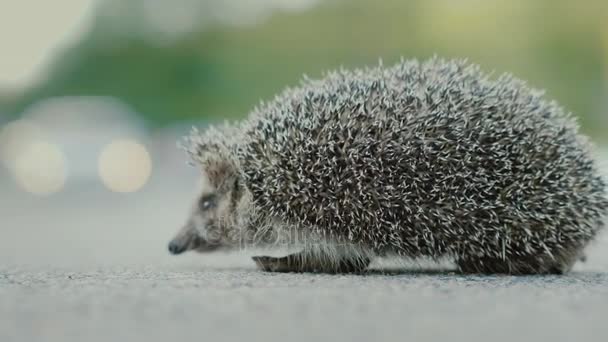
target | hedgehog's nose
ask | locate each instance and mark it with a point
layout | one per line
(175, 248)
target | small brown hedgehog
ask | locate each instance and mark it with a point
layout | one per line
(431, 159)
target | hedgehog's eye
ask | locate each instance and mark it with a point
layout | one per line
(207, 202)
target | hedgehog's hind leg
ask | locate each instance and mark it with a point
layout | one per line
(526, 265)
(305, 262)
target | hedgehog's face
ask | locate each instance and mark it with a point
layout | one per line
(211, 225)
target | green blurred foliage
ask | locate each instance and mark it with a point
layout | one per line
(222, 72)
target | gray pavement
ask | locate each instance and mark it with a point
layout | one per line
(161, 304)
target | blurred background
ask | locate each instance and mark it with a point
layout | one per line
(94, 94)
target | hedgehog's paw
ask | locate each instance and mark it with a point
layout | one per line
(271, 264)
(300, 262)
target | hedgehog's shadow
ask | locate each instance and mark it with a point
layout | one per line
(393, 271)
(396, 266)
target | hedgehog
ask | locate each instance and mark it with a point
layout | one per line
(432, 159)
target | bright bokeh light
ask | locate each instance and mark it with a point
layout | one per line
(31, 31)
(15, 137)
(40, 168)
(124, 166)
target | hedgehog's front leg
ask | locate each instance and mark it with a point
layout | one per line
(304, 262)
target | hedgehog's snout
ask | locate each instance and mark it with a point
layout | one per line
(184, 241)
(179, 246)
(176, 248)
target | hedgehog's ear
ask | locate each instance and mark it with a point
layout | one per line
(214, 152)
(220, 169)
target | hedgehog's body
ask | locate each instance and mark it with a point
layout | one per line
(430, 159)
